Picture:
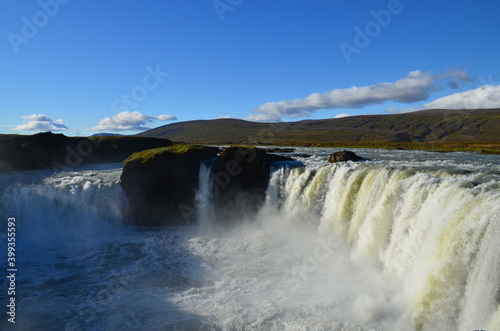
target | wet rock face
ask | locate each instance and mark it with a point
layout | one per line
(343, 156)
(160, 185)
(240, 178)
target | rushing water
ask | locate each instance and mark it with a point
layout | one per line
(405, 241)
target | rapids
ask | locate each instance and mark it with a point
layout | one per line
(405, 241)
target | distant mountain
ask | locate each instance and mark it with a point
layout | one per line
(437, 125)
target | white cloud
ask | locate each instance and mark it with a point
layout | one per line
(37, 118)
(129, 121)
(342, 115)
(416, 86)
(484, 97)
(164, 117)
(40, 122)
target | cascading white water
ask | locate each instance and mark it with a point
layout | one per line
(437, 233)
(204, 193)
(406, 242)
(67, 202)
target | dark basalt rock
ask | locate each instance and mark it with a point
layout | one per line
(56, 151)
(160, 184)
(240, 178)
(280, 150)
(343, 156)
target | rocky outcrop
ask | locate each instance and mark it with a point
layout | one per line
(343, 156)
(280, 150)
(56, 151)
(160, 184)
(240, 178)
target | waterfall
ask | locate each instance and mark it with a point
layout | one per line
(66, 202)
(349, 246)
(203, 196)
(436, 232)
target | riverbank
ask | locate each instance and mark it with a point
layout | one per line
(481, 148)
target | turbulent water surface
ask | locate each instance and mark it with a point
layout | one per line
(405, 241)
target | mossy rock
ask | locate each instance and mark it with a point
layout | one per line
(150, 154)
(160, 184)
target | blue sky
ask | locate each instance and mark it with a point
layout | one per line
(81, 67)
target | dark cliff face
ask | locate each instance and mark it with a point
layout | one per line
(161, 184)
(240, 178)
(56, 151)
(32, 152)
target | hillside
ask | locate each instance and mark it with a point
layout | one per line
(427, 126)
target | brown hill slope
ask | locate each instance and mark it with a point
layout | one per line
(438, 125)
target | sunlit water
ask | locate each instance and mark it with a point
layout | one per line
(405, 241)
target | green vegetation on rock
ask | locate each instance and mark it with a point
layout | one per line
(160, 183)
(147, 155)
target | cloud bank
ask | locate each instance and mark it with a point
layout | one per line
(481, 98)
(129, 121)
(416, 86)
(40, 122)
(484, 97)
